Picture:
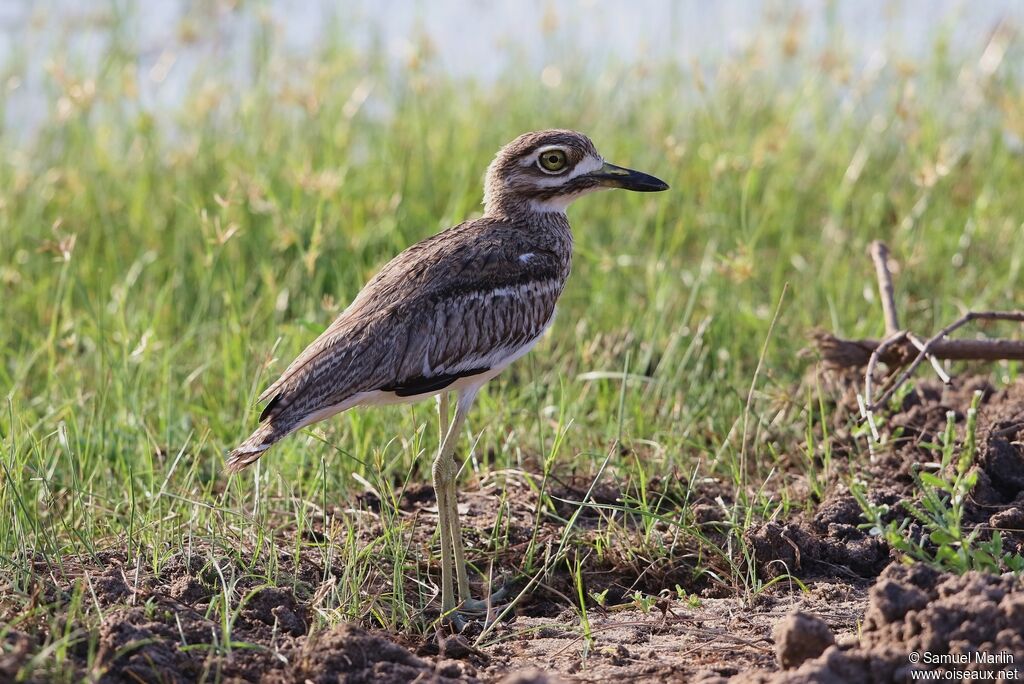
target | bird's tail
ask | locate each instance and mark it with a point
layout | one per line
(251, 449)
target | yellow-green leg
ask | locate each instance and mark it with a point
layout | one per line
(445, 473)
(462, 576)
(442, 476)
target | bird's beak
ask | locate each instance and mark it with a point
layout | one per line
(613, 176)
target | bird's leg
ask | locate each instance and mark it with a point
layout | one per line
(468, 603)
(442, 415)
(447, 496)
(443, 476)
(461, 411)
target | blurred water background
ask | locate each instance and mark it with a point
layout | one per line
(173, 41)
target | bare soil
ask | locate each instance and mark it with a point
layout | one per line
(969, 623)
(858, 620)
(159, 629)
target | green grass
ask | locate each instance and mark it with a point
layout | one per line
(158, 268)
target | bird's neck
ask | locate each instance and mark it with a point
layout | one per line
(524, 212)
(548, 229)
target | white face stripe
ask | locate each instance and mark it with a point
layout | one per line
(534, 158)
(588, 164)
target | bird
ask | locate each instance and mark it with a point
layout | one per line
(449, 314)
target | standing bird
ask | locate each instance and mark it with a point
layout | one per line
(450, 313)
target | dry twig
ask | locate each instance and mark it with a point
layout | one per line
(1017, 316)
(841, 354)
(880, 255)
(904, 348)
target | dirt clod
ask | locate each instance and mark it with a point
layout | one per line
(946, 613)
(892, 600)
(917, 610)
(277, 606)
(188, 590)
(1009, 519)
(135, 649)
(799, 637)
(14, 649)
(808, 550)
(350, 654)
(457, 647)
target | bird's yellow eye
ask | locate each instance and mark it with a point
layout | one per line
(552, 160)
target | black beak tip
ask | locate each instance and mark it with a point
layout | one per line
(648, 183)
(628, 179)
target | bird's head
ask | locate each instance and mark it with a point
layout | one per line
(546, 170)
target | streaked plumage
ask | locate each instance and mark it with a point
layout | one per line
(456, 304)
(452, 311)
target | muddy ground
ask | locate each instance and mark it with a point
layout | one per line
(854, 614)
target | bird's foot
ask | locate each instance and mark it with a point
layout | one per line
(474, 606)
(460, 623)
(467, 617)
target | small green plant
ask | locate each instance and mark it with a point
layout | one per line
(818, 451)
(691, 600)
(149, 609)
(938, 508)
(644, 602)
(576, 570)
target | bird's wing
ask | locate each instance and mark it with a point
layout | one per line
(406, 271)
(452, 305)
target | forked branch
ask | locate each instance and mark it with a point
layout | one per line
(1017, 316)
(902, 348)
